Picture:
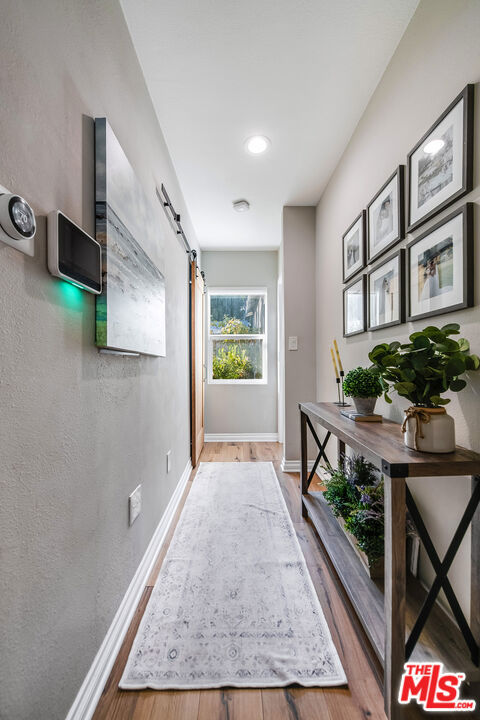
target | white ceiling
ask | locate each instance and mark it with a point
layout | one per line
(298, 71)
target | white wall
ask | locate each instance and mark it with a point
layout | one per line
(298, 248)
(78, 430)
(438, 55)
(244, 408)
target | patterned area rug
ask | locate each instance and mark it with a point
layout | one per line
(234, 604)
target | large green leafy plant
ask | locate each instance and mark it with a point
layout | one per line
(426, 367)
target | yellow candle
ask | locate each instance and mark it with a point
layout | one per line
(338, 356)
(334, 365)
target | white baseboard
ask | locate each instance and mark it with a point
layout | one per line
(89, 694)
(241, 437)
(294, 466)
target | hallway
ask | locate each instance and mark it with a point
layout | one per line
(363, 697)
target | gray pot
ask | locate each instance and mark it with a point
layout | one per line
(365, 406)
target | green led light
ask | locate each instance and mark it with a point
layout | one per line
(72, 294)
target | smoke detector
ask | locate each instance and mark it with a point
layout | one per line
(241, 205)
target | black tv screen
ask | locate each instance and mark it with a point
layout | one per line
(79, 256)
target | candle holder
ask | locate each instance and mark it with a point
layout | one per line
(341, 397)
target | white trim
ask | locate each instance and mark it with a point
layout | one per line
(262, 337)
(294, 466)
(89, 694)
(241, 437)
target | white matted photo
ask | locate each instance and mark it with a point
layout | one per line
(440, 267)
(440, 166)
(385, 215)
(354, 307)
(354, 247)
(386, 305)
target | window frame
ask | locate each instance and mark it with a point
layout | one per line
(257, 336)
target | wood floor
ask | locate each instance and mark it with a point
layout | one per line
(362, 698)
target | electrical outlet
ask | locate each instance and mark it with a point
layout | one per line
(169, 461)
(134, 505)
(293, 342)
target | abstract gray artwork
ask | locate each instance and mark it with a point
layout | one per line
(130, 313)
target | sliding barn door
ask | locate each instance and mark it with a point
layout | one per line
(197, 310)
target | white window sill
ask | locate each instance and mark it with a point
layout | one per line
(238, 382)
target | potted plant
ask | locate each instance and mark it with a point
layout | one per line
(421, 371)
(354, 491)
(364, 387)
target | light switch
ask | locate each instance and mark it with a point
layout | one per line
(293, 342)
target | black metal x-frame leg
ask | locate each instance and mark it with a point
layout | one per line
(441, 569)
(321, 446)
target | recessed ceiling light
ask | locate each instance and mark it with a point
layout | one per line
(241, 205)
(433, 146)
(257, 144)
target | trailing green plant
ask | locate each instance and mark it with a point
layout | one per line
(362, 383)
(426, 367)
(355, 493)
(232, 363)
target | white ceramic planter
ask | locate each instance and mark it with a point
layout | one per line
(429, 430)
(365, 406)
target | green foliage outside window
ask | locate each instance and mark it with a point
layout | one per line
(232, 363)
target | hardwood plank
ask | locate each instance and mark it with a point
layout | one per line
(362, 698)
(115, 704)
(230, 704)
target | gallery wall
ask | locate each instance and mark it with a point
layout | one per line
(252, 409)
(438, 55)
(79, 430)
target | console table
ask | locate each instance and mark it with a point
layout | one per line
(395, 616)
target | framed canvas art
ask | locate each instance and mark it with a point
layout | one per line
(130, 312)
(354, 247)
(440, 166)
(385, 292)
(354, 307)
(386, 215)
(440, 267)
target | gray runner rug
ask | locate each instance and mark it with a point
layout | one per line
(234, 604)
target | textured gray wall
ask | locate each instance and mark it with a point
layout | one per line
(438, 55)
(78, 430)
(299, 316)
(244, 408)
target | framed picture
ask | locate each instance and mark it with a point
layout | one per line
(440, 267)
(354, 247)
(354, 307)
(385, 293)
(386, 215)
(440, 166)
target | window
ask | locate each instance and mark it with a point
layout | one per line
(237, 335)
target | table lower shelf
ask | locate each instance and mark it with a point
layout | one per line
(441, 639)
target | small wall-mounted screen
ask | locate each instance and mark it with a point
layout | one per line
(78, 254)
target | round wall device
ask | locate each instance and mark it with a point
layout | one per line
(16, 217)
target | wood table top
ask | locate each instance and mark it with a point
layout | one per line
(383, 444)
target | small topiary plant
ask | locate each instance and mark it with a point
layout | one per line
(362, 383)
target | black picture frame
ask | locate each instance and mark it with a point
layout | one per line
(468, 96)
(363, 280)
(399, 174)
(400, 254)
(362, 217)
(468, 265)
